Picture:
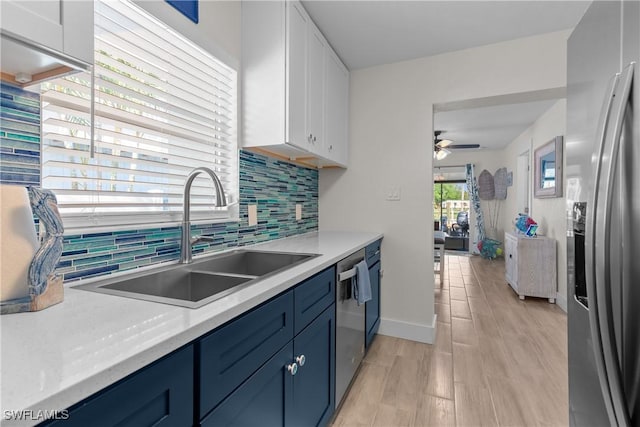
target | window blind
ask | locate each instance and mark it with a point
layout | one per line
(161, 106)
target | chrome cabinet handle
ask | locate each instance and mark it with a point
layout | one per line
(314, 138)
(292, 368)
(301, 360)
(330, 147)
(602, 230)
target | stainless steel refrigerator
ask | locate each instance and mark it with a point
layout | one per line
(603, 215)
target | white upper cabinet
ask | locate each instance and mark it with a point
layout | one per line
(39, 22)
(296, 82)
(42, 37)
(316, 47)
(336, 116)
(287, 86)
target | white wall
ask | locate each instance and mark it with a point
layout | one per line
(548, 213)
(391, 145)
(218, 30)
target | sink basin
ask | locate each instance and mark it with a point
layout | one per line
(179, 284)
(203, 281)
(251, 263)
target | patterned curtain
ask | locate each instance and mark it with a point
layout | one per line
(472, 185)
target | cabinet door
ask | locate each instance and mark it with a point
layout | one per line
(509, 258)
(314, 384)
(36, 21)
(263, 400)
(296, 71)
(78, 36)
(315, 89)
(372, 307)
(159, 395)
(336, 109)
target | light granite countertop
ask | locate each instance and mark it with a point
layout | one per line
(53, 359)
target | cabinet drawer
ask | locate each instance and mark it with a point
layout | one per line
(372, 253)
(313, 296)
(158, 395)
(232, 353)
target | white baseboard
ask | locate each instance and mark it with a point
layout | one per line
(408, 330)
(561, 301)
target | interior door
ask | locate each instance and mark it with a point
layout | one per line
(522, 183)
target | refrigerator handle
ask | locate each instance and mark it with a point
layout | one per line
(589, 246)
(601, 249)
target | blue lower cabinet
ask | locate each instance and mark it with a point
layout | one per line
(372, 307)
(279, 394)
(265, 399)
(158, 395)
(372, 252)
(314, 383)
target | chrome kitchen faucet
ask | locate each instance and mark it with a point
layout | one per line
(187, 241)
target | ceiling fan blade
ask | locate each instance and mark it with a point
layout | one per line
(458, 146)
(443, 143)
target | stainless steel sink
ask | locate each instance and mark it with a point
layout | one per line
(203, 281)
(251, 263)
(179, 284)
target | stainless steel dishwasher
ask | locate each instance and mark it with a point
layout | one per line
(349, 326)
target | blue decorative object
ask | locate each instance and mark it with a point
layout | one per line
(45, 207)
(526, 225)
(472, 185)
(489, 248)
(188, 8)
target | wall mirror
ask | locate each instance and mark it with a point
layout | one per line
(548, 169)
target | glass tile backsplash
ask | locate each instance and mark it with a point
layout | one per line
(19, 136)
(274, 186)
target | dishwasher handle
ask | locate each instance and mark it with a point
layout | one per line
(347, 274)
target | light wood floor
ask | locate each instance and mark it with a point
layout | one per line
(497, 361)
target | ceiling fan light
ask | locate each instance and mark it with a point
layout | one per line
(444, 143)
(441, 154)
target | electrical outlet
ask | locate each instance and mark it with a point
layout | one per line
(298, 212)
(253, 215)
(393, 194)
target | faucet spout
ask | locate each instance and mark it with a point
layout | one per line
(221, 200)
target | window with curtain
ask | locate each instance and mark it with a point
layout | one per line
(161, 106)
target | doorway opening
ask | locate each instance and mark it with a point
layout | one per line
(451, 206)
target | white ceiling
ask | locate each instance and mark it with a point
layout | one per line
(492, 127)
(367, 33)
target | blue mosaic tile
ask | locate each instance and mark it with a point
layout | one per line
(275, 186)
(20, 136)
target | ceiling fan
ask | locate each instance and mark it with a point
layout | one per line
(442, 147)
